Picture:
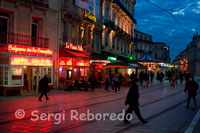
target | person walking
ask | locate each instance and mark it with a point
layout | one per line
(107, 82)
(120, 81)
(181, 77)
(43, 86)
(146, 80)
(191, 89)
(116, 80)
(151, 76)
(132, 100)
(141, 77)
(161, 77)
(173, 80)
(93, 82)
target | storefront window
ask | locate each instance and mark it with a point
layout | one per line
(16, 76)
(48, 70)
(1, 75)
(6, 76)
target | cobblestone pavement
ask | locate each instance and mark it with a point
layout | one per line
(162, 105)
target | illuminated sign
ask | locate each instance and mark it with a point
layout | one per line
(66, 61)
(31, 61)
(71, 46)
(90, 16)
(131, 57)
(112, 58)
(25, 50)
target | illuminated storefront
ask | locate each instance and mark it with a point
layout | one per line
(22, 67)
(73, 65)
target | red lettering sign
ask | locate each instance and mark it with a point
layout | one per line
(25, 50)
(31, 61)
(71, 46)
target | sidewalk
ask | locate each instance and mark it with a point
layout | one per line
(153, 100)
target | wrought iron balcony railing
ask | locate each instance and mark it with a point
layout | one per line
(38, 3)
(21, 39)
(125, 10)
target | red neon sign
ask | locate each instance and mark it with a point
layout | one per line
(25, 50)
(31, 61)
(67, 61)
(71, 46)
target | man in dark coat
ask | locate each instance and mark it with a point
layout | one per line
(93, 82)
(132, 100)
(43, 85)
(191, 87)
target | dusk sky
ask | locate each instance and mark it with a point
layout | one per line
(163, 27)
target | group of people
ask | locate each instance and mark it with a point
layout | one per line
(114, 81)
(145, 77)
(132, 98)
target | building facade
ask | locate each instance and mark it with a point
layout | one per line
(189, 59)
(81, 31)
(118, 27)
(161, 52)
(142, 42)
(28, 40)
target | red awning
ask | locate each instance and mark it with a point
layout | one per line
(72, 53)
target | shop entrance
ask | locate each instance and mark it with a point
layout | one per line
(32, 75)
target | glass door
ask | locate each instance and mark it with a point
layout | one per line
(35, 77)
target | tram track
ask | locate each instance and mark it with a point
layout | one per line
(89, 99)
(154, 116)
(89, 105)
(83, 123)
(143, 105)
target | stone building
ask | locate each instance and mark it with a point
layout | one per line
(189, 59)
(80, 38)
(28, 40)
(161, 52)
(143, 42)
(118, 28)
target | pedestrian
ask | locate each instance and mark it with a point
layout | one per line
(107, 82)
(132, 100)
(116, 80)
(111, 82)
(43, 87)
(146, 80)
(92, 81)
(181, 77)
(169, 76)
(120, 81)
(173, 80)
(161, 77)
(141, 77)
(191, 88)
(151, 76)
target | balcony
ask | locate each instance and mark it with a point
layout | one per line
(125, 10)
(110, 24)
(25, 40)
(39, 3)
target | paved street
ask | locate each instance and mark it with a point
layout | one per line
(162, 105)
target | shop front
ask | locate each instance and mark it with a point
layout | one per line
(74, 66)
(22, 67)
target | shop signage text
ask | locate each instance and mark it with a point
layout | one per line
(112, 58)
(90, 16)
(71, 46)
(68, 62)
(31, 61)
(25, 50)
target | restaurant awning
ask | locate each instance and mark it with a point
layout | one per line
(72, 53)
(123, 65)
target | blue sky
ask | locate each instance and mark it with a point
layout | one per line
(163, 27)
